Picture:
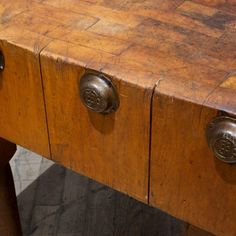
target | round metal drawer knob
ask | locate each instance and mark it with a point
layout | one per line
(2, 62)
(98, 93)
(221, 137)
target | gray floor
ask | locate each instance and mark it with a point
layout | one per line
(55, 201)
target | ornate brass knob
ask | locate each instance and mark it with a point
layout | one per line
(2, 62)
(221, 137)
(98, 93)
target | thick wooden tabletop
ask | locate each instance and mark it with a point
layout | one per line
(184, 48)
(173, 66)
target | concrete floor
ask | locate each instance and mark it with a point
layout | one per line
(54, 201)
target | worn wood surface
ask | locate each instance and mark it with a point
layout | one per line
(183, 49)
(22, 112)
(101, 147)
(155, 38)
(150, 37)
(9, 223)
(186, 180)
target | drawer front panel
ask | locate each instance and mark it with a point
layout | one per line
(112, 148)
(186, 179)
(22, 111)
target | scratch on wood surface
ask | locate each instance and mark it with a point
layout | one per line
(230, 82)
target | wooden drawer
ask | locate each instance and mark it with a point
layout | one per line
(186, 179)
(170, 86)
(22, 112)
(112, 149)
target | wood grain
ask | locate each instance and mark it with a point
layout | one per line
(153, 37)
(186, 180)
(22, 118)
(101, 147)
(184, 50)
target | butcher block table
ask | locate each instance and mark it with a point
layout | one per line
(137, 95)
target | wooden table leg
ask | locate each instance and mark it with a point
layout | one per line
(9, 217)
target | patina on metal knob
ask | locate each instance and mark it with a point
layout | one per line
(2, 62)
(221, 137)
(98, 93)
